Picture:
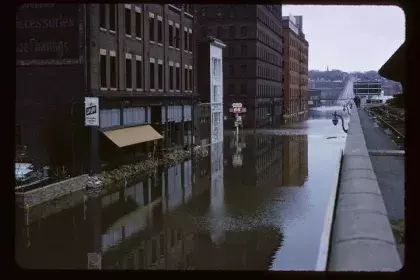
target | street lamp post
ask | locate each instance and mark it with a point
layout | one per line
(335, 121)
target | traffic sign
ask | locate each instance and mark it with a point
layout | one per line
(237, 110)
(237, 105)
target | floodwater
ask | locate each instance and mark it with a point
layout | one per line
(254, 204)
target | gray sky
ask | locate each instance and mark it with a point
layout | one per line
(350, 38)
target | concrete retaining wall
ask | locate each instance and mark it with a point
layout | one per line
(362, 239)
(50, 192)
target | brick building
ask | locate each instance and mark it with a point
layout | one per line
(295, 69)
(252, 67)
(139, 63)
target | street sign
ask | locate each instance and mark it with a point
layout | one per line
(237, 110)
(237, 105)
(91, 111)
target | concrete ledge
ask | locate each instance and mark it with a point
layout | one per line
(361, 239)
(51, 192)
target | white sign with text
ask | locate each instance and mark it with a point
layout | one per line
(91, 111)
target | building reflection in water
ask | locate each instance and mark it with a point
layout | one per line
(295, 160)
(155, 223)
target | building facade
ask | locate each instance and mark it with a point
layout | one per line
(137, 59)
(295, 69)
(252, 60)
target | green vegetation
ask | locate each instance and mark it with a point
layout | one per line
(398, 228)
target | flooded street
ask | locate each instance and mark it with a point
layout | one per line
(254, 204)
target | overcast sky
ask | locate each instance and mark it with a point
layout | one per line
(350, 38)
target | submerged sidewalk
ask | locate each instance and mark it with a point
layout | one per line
(389, 169)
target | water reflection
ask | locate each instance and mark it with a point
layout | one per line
(230, 210)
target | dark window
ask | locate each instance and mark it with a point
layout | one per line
(160, 31)
(178, 37)
(186, 40)
(243, 31)
(219, 12)
(190, 45)
(139, 73)
(138, 25)
(151, 29)
(112, 16)
(128, 79)
(231, 88)
(232, 31)
(231, 70)
(171, 35)
(102, 15)
(244, 68)
(113, 63)
(171, 77)
(178, 78)
(231, 50)
(103, 71)
(232, 12)
(191, 79)
(243, 88)
(152, 75)
(128, 21)
(203, 12)
(244, 50)
(186, 79)
(219, 32)
(160, 76)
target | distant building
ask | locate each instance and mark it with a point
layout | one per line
(366, 90)
(314, 98)
(253, 59)
(296, 68)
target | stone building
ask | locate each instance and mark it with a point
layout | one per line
(252, 69)
(295, 69)
(137, 59)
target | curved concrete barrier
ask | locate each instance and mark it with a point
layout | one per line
(362, 239)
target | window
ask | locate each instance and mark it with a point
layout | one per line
(139, 73)
(171, 77)
(128, 21)
(177, 36)
(113, 64)
(219, 12)
(160, 31)
(190, 45)
(152, 73)
(186, 39)
(138, 24)
(112, 16)
(231, 70)
(171, 35)
(232, 12)
(244, 50)
(232, 31)
(231, 88)
(219, 32)
(231, 50)
(109, 117)
(160, 76)
(128, 73)
(243, 31)
(244, 68)
(243, 88)
(151, 28)
(216, 94)
(177, 77)
(186, 78)
(103, 69)
(191, 79)
(102, 16)
(203, 12)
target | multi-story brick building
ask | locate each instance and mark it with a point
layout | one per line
(253, 60)
(295, 69)
(138, 59)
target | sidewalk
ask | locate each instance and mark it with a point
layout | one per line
(389, 170)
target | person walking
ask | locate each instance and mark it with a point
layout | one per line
(357, 101)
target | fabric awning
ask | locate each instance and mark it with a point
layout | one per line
(394, 68)
(132, 135)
